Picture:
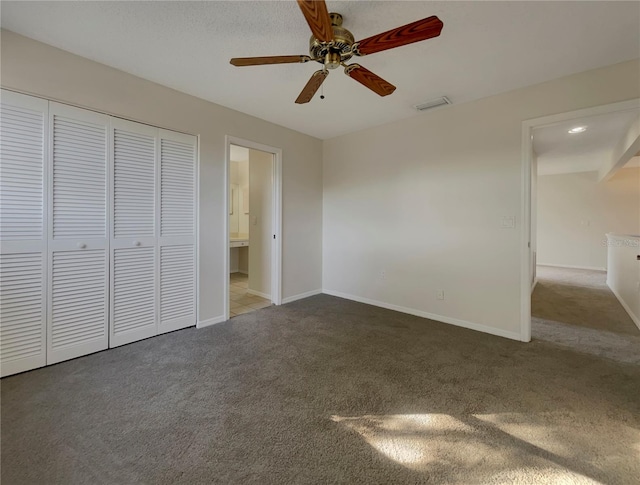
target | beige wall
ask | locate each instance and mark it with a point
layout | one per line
(239, 220)
(534, 218)
(239, 176)
(39, 69)
(623, 274)
(243, 183)
(575, 213)
(422, 199)
(260, 219)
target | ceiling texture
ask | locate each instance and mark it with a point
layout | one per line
(560, 152)
(485, 48)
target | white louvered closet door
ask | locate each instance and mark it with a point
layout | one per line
(23, 236)
(78, 233)
(134, 253)
(177, 221)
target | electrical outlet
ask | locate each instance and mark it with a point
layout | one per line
(440, 295)
(383, 275)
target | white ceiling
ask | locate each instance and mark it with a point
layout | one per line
(485, 48)
(559, 151)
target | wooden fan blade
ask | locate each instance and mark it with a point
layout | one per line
(312, 86)
(367, 78)
(317, 16)
(408, 34)
(257, 61)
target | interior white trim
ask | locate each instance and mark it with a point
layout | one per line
(211, 321)
(431, 316)
(570, 266)
(301, 296)
(525, 212)
(276, 219)
(259, 293)
(197, 216)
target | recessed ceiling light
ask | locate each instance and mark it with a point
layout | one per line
(578, 129)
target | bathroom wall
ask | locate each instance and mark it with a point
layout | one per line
(239, 219)
(260, 216)
(239, 175)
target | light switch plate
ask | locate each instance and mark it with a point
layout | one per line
(508, 222)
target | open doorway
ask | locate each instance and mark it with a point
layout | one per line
(253, 220)
(584, 200)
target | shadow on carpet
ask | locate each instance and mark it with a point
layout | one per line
(325, 390)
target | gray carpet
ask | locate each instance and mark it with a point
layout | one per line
(325, 390)
(576, 309)
(581, 298)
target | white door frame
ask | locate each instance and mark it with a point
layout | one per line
(525, 213)
(276, 217)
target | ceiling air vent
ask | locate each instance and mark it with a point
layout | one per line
(434, 103)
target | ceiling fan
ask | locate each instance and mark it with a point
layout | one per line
(332, 45)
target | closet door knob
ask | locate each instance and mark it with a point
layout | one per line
(82, 245)
(137, 243)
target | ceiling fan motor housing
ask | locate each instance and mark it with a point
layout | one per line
(333, 53)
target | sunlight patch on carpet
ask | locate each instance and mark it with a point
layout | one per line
(495, 448)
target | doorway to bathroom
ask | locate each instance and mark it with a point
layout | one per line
(253, 259)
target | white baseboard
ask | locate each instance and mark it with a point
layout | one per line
(300, 296)
(431, 316)
(570, 266)
(210, 321)
(635, 318)
(533, 286)
(238, 271)
(257, 293)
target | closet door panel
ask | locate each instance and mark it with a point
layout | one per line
(177, 286)
(177, 231)
(78, 256)
(78, 303)
(23, 239)
(134, 261)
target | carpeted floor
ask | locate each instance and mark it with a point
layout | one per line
(581, 298)
(576, 309)
(325, 390)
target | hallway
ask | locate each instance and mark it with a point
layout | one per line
(575, 308)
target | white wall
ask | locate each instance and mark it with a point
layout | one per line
(533, 254)
(575, 212)
(39, 69)
(239, 175)
(239, 181)
(260, 221)
(623, 276)
(422, 200)
(239, 220)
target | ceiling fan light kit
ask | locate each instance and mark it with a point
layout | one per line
(332, 45)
